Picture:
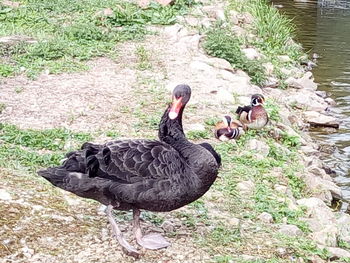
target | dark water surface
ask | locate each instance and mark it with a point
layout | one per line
(323, 27)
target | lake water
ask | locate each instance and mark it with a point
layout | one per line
(323, 27)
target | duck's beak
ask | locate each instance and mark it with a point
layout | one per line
(175, 108)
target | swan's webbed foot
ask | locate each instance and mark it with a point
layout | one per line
(128, 249)
(149, 241)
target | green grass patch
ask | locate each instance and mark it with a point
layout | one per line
(222, 43)
(68, 33)
(27, 149)
(302, 247)
(52, 139)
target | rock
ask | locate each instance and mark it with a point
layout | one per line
(219, 63)
(308, 150)
(224, 96)
(282, 252)
(10, 3)
(316, 259)
(327, 236)
(290, 230)
(234, 17)
(4, 195)
(305, 100)
(246, 187)
(305, 82)
(316, 119)
(205, 22)
(215, 12)
(330, 101)
(195, 127)
(269, 67)
(200, 66)
(337, 253)
(192, 21)
(343, 224)
(12, 40)
(317, 189)
(321, 93)
(259, 147)
(145, 3)
(251, 53)
(173, 30)
(239, 31)
(168, 226)
(246, 18)
(284, 58)
(265, 217)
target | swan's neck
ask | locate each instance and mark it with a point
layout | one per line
(171, 131)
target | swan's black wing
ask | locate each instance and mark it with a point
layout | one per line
(130, 161)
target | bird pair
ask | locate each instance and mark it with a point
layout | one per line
(253, 116)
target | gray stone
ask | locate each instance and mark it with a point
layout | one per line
(246, 18)
(219, 63)
(14, 39)
(337, 253)
(239, 31)
(330, 101)
(269, 67)
(259, 147)
(251, 53)
(318, 214)
(195, 127)
(214, 12)
(246, 187)
(290, 230)
(305, 100)
(4, 195)
(265, 217)
(316, 119)
(284, 58)
(234, 17)
(343, 224)
(327, 236)
(305, 82)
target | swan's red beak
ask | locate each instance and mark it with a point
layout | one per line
(175, 108)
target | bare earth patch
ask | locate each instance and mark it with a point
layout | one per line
(43, 224)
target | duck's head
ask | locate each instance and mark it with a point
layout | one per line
(181, 95)
(226, 120)
(257, 99)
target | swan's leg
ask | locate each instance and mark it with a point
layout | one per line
(150, 241)
(130, 250)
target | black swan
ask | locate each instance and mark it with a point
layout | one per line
(228, 129)
(142, 174)
(255, 115)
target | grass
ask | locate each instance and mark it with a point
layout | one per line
(67, 34)
(144, 58)
(273, 31)
(31, 149)
(222, 43)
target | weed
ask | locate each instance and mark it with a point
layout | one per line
(302, 247)
(2, 107)
(54, 139)
(222, 43)
(272, 109)
(144, 58)
(196, 135)
(86, 33)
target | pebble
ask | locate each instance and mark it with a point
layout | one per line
(4, 195)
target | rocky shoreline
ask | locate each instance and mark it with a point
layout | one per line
(218, 88)
(302, 107)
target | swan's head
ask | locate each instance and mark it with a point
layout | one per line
(181, 95)
(257, 99)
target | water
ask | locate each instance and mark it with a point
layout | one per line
(323, 27)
